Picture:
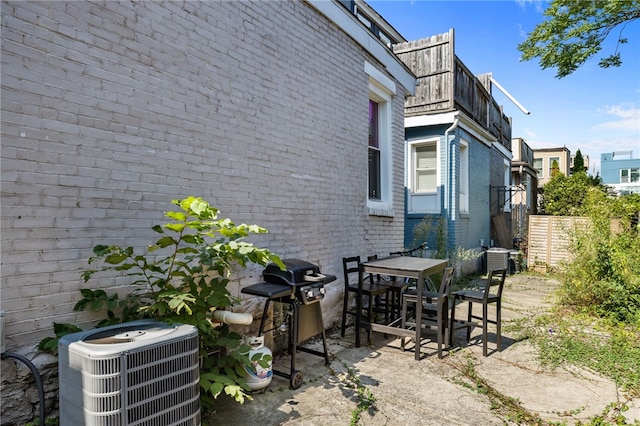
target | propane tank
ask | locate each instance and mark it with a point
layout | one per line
(258, 377)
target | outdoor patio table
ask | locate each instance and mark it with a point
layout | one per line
(399, 266)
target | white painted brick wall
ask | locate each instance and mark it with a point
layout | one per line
(112, 109)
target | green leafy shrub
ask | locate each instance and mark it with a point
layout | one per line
(565, 195)
(182, 278)
(604, 275)
(431, 229)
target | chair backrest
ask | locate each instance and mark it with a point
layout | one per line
(350, 265)
(495, 278)
(446, 282)
(445, 285)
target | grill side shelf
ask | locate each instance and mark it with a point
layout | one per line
(328, 279)
(269, 290)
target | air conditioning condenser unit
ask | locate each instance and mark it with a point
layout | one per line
(142, 372)
(498, 258)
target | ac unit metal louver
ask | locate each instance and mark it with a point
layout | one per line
(498, 258)
(142, 372)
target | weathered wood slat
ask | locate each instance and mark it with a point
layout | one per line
(444, 83)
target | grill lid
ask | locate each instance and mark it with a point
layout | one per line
(297, 271)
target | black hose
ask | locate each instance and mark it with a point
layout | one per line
(409, 252)
(36, 375)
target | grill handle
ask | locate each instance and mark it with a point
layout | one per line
(315, 278)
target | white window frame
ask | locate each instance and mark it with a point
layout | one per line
(629, 175)
(464, 177)
(412, 185)
(382, 89)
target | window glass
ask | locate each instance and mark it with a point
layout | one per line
(537, 164)
(374, 152)
(629, 175)
(554, 165)
(379, 144)
(508, 194)
(624, 175)
(426, 168)
(373, 124)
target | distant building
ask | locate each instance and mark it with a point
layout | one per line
(543, 162)
(524, 189)
(621, 171)
(585, 160)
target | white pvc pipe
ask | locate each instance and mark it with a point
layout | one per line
(448, 196)
(229, 317)
(508, 95)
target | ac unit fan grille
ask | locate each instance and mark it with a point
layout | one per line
(100, 367)
(143, 358)
(166, 385)
(155, 412)
(103, 404)
(103, 384)
(159, 369)
(154, 381)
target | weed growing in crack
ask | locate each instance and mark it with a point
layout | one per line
(366, 400)
(566, 338)
(506, 407)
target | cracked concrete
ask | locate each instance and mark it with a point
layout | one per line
(430, 391)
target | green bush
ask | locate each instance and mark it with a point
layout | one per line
(565, 195)
(604, 275)
(182, 278)
(433, 229)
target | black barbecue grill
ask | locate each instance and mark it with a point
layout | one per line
(301, 286)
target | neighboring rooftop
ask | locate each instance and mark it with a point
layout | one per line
(617, 155)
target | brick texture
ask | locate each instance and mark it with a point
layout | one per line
(112, 109)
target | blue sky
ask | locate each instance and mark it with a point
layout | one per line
(595, 110)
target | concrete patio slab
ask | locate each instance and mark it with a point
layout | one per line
(430, 391)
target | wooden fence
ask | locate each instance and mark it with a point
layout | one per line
(549, 237)
(444, 83)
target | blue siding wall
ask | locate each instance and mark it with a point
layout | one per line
(410, 223)
(415, 133)
(477, 224)
(463, 230)
(413, 220)
(610, 167)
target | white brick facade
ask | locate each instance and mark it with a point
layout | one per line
(112, 109)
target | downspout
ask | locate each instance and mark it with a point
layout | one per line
(449, 193)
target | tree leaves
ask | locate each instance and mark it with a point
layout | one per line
(574, 31)
(565, 196)
(183, 278)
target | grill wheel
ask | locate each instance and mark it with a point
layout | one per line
(296, 379)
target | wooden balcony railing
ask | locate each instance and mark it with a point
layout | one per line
(446, 84)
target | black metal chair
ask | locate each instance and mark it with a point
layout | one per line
(393, 298)
(435, 311)
(370, 291)
(491, 294)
